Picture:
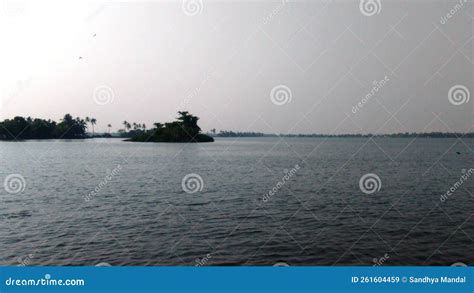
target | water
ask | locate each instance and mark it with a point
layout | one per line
(319, 216)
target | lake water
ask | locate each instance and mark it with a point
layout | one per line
(140, 215)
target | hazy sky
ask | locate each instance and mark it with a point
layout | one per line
(225, 61)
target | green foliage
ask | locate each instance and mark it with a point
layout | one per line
(20, 128)
(185, 129)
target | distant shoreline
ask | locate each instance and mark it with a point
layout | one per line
(394, 135)
(184, 129)
(258, 135)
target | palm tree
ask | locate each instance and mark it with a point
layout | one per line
(134, 126)
(87, 120)
(68, 119)
(144, 126)
(93, 122)
(109, 126)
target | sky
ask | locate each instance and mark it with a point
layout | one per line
(327, 67)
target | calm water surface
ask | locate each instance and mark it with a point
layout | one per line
(320, 216)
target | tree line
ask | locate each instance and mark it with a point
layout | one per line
(20, 128)
(184, 129)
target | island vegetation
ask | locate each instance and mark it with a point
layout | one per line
(184, 129)
(20, 128)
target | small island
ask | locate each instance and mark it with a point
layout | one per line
(185, 129)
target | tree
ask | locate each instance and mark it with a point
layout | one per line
(93, 122)
(188, 120)
(185, 129)
(109, 126)
(66, 119)
(87, 120)
(71, 128)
